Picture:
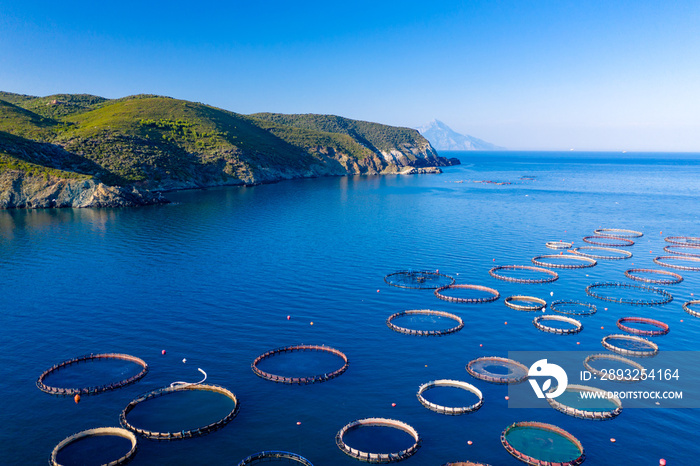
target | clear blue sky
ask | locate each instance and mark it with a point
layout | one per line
(589, 75)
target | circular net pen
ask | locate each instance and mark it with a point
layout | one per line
(575, 325)
(425, 312)
(551, 276)
(691, 264)
(563, 261)
(87, 435)
(492, 294)
(690, 251)
(418, 279)
(497, 370)
(590, 252)
(687, 307)
(377, 457)
(465, 463)
(573, 307)
(610, 241)
(658, 327)
(558, 245)
(634, 274)
(630, 345)
(618, 233)
(276, 456)
(95, 389)
(182, 433)
(525, 303)
(309, 379)
(595, 405)
(664, 297)
(452, 411)
(540, 444)
(683, 240)
(633, 372)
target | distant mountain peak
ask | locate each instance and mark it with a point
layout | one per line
(442, 137)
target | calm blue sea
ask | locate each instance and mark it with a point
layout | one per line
(212, 278)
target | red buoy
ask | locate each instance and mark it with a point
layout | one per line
(163, 352)
(662, 462)
(289, 317)
(393, 405)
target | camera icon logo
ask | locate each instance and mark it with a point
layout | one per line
(542, 368)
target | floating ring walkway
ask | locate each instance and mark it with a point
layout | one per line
(97, 432)
(378, 457)
(577, 326)
(96, 389)
(618, 233)
(624, 254)
(663, 261)
(418, 279)
(536, 304)
(662, 328)
(586, 261)
(666, 297)
(552, 275)
(584, 413)
(587, 309)
(494, 294)
(683, 240)
(318, 378)
(184, 433)
(447, 409)
(653, 351)
(613, 357)
(674, 249)
(558, 244)
(686, 307)
(271, 455)
(541, 426)
(517, 372)
(622, 242)
(671, 281)
(425, 312)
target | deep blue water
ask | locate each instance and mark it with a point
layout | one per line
(212, 278)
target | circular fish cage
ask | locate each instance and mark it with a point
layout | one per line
(552, 276)
(531, 303)
(425, 312)
(661, 328)
(418, 279)
(465, 463)
(683, 240)
(558, 244)
(540, 444)
(272, 455)
(642, 348)
(97, 432)
(577, 326)
(634, 374)
(618, 233)
(494, 294)
(597, 406)
(181, 434)
(583, 262)
(675, 278)
(691, 251)
(515, 371)
(452, 411)
(309, 379)
(668, 261)
(580, 251)
(573, 308)
(378, 457)
(665, 296)
(92, 390)
(686, 307)
(616, 241)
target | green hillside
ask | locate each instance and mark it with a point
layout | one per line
(165, 143)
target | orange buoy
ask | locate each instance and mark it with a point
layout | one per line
(606, 308)
(77, 399)
(602, 328)
(162, 352)
(681, 320)
(481, 344)
(393, 405)
(311, 323)
(507, 397)
(578, 342)
(469, 442)
(613, 440)
(662, 462)
(506, 323)
(298, 423)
